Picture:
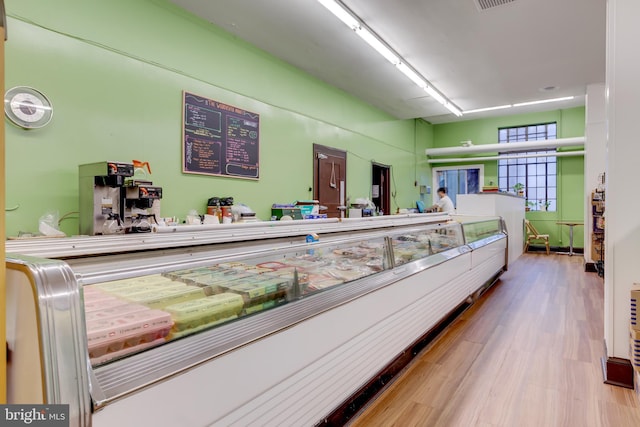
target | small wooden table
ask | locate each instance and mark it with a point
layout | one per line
(570, 224)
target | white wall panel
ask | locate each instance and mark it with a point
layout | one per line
(622, 231)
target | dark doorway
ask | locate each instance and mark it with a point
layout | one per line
(380, 187)
(329, 178)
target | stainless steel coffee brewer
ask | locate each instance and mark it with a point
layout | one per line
(142, 203)
(102, 195)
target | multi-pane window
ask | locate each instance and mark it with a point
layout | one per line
(536, 174)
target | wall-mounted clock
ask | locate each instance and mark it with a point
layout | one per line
(27, 107)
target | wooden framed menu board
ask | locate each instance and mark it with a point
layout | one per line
(219, 139)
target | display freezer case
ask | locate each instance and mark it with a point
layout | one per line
(237, 326)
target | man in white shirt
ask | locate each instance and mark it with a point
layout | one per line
(445, 204)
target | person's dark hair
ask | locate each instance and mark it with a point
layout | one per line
(442, 189)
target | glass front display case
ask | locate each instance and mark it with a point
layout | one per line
(479, 229)
(134, 314)
(421, 243)
(146, 314)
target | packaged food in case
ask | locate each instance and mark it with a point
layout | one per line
(117, 311)
(163, 298)
(216, 283)
(203, 311)
(258, 290)
(141, 289)
(263, 306)
(134, 281)
(102, 304)
(114, 334)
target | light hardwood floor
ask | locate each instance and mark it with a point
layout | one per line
(527, 354)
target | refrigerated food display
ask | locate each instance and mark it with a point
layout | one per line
(134, 330)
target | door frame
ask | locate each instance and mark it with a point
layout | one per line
(385, 202)
(327, 151)
(435, 171)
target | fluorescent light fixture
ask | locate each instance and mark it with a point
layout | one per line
(413, 76)
(543, 101)
(341, 13)
(520, 104)
(480, 110)
(455, 110)
(380, 47)
(435, 95)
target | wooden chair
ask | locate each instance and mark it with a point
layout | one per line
(534, 237)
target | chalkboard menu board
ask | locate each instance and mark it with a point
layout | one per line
(219, 139)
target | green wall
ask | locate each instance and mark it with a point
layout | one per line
(571, 123)
(115, 72)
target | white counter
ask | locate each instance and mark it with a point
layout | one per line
(507, 206)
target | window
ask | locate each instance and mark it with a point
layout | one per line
(458, 180)
(536, 174)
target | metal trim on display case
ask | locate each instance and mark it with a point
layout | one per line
(102, 268)
(486, 241)
(503, 223)
(63, 344)
(117, 379)
(223, 233)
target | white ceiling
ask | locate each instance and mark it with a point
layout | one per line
(478, 59)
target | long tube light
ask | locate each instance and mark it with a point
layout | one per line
(546, 144)
(380, 46)
(517, 156)
(480, 110)
(519, 104)
(543, 101)
(412, 75)
(455, 110)
(435, 95)
(340, 13)
(377, 45)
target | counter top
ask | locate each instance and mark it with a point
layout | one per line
(60, 248)
(499, 194)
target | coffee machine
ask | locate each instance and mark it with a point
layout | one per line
(142, 205)
(102, 194)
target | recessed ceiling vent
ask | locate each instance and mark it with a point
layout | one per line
(490, 4)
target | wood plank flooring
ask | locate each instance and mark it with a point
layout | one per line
(527, 354)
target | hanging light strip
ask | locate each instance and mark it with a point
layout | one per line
(520, 104)
(337, 8)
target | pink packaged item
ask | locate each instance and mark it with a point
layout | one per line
(115, 334)
(118, 311)
(102, 304)
(92, 294)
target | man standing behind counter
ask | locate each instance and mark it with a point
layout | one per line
(445, 204)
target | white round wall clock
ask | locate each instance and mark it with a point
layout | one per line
(27, 107)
